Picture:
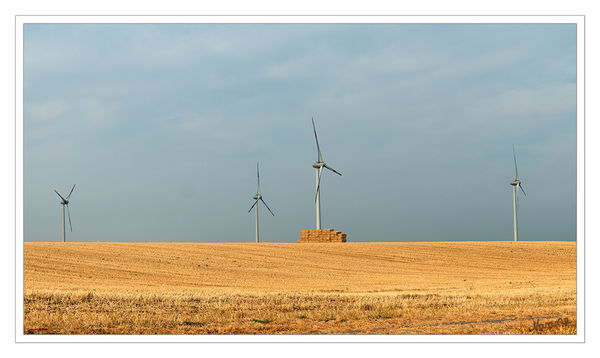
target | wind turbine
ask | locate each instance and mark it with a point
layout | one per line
(319, 165)
(258, 197)
(514, 184)
(65, 202)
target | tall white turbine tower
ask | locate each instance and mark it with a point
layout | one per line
(319, 165)
(516, 183)
(258, 197)
(65, 202)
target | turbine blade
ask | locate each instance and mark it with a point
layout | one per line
(257, 179)
(333, 170)
(318, 184)
(253, 206)
(63, 199)
(317, 140)
(261, 199)
(515, 158)
(521, 186)
(71, 192)
(69, 212)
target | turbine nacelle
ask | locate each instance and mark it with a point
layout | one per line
(515, 182)
(318, 165)
(257, 197)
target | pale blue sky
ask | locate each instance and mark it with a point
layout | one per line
(161, 126)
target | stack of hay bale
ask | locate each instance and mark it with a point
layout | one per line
(325, 235)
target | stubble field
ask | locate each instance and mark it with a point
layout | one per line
(268, 288)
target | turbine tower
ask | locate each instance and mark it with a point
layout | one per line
(258, 197)
(319, 165)
(516, 183)
(65, 202)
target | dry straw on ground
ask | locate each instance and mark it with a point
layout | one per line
(345, 288)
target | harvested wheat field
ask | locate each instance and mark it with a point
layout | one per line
(330, 288)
